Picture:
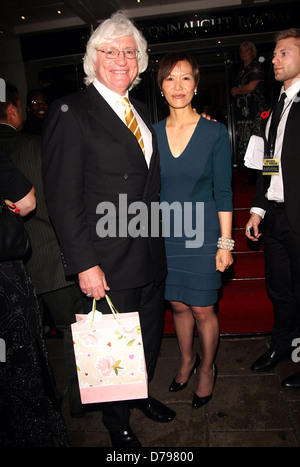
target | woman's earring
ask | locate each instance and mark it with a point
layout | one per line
(196, 92)
(162, 94)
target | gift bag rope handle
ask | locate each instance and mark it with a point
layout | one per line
(111, 306)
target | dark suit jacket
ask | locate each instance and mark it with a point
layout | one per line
(90, 157)
(44, 263)
(290, 163)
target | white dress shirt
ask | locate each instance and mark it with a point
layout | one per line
(112, 98)
(276, 189)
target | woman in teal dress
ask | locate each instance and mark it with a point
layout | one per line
(196, 173)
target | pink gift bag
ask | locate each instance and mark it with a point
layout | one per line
(109, 356)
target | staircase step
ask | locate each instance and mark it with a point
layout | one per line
(247, 265)
(240, 217)
(242, 192)
(245, 307)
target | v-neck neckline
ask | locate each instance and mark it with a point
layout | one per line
(188, 143)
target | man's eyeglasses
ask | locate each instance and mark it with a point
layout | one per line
(114, 53)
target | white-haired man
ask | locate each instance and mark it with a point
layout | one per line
(90, 156)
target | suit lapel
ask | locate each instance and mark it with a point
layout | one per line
(101, 111)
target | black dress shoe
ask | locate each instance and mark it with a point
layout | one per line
(174, 386)
(124, 438)
(292, 382)
(155, 410)
(200, 401)
(267, 361)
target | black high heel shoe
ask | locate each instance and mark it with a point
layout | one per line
(174, 386)
(200, 401)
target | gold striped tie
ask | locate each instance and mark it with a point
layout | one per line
(131, 122)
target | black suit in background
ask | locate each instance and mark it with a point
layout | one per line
(61, 297)
(282, 239)
(89, 157)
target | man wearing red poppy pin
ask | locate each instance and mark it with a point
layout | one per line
(278, 202)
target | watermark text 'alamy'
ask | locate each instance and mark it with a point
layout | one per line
(179, 219)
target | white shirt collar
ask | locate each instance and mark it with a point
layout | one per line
(110, 96)
(292, 90)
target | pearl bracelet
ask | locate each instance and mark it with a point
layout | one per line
(225, 243)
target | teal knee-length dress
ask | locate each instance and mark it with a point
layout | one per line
(198, 182)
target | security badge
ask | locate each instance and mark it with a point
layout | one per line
(270, 166)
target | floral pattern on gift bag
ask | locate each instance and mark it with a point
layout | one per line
(110, 358)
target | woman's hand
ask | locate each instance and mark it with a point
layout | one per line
(224, 259)
(25, 205)
(12, 206)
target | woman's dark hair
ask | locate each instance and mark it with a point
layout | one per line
(168, 62)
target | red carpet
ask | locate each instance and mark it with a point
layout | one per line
(244, 306)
